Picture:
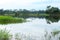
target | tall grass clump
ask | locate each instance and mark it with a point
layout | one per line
(5, 35)
(9, 19)
(55, 32)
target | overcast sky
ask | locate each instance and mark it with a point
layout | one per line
(28, 4)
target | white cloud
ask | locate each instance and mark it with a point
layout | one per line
(27, 4)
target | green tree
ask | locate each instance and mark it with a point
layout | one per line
(52, 10)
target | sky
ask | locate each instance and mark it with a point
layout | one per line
(28, 4)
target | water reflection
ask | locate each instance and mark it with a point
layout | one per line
(52, 19)
(49, 19)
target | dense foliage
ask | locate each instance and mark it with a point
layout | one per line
(21, 12)
(53, 11)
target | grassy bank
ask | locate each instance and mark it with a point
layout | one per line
(9, 19)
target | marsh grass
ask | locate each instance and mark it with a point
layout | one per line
(55, 32)
(18, 36)
(5, 35)
(9, 19)
(53, 35)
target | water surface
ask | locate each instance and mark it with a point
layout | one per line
(35, 27)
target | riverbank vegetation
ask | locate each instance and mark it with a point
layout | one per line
(9, 19)
(50, 11)
(16, 16)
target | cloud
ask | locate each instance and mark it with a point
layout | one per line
(28, 4)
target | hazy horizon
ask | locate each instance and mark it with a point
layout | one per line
(28, 4)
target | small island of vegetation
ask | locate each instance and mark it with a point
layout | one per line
(9, 19)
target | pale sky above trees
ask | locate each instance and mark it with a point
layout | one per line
(28, 4)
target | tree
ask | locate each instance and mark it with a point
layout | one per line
(1, 12)
(52, 10)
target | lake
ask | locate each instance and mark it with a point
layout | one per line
(33, 29)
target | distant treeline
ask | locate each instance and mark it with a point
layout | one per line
(21, 12)
(31, 13)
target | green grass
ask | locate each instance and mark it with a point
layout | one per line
(5, 35)
(43, 14)
(9, 19)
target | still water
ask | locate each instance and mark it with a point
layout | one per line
(35, 28)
